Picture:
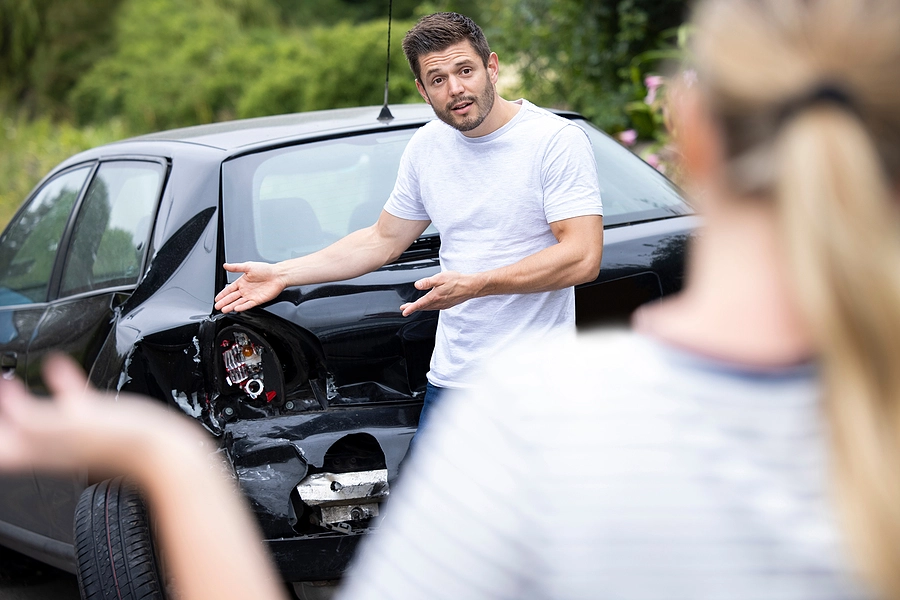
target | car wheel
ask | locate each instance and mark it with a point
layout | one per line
(114, 546)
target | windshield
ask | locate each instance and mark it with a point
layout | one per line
(292, 201)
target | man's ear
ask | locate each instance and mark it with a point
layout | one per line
(422, 92)
(493, 67)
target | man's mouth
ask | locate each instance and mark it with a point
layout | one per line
(461, 106)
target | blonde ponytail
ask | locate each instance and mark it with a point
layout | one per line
(842, 236)
(831, 168)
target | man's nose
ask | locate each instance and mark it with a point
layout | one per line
(456, 86)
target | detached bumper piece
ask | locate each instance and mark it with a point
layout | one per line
(338, 498)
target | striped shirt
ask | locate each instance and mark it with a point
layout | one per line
(615, 467)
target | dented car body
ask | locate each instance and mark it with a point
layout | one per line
(313, 398)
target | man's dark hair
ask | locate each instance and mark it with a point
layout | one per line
(439, 31)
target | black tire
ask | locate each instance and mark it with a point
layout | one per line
(114, 547)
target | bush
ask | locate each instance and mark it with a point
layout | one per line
(182, 63)
(578, 55)
(331, 67)
(170, 68)
(29, 149)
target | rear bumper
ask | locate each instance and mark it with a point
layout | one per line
(272, 456)
(314, 558)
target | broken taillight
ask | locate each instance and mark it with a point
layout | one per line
(251, 368)
(243, 365)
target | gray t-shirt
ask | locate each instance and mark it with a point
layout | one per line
(615, 467)
(492, 199)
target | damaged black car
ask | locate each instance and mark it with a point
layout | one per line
(313, 398)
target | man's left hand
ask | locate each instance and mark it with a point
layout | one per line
(448, 288)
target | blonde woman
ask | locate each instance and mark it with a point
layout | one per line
(742, 442)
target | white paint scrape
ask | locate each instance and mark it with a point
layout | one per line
(193, 408)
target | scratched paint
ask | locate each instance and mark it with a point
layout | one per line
(193, 408)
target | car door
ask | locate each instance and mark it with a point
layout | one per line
(28, 253)
(105, 252)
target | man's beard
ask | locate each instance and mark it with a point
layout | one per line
(482, 103)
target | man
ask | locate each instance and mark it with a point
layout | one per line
(511, 188)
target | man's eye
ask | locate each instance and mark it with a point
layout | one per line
(437, 80)
(466, 71)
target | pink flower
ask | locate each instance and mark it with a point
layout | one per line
(627, 137)
(652, 82)
(652, 160)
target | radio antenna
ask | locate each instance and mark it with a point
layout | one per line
(385, 115)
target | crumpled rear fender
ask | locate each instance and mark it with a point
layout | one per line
(271, 456)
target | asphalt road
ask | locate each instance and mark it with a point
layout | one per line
(24, 579)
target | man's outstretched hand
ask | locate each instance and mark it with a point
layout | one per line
(259, 283)
(448, 288)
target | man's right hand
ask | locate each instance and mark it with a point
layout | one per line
(259, 283)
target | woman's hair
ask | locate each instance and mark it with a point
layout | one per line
(807, 95)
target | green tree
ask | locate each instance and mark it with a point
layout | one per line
(578, 54)
(303, 13)
(46, 45)
(181, 63)
(164, 70)
(331, 67)
(20, 24)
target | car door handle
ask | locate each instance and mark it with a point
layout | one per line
(8, 362)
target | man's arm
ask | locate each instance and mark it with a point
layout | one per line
(356, 254)
(575, 259)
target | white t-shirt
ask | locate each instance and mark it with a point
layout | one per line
(491, 199)
(615, 467)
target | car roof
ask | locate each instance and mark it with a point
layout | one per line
(234, 138)
(233, 135)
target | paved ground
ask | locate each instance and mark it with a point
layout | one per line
(24, 579)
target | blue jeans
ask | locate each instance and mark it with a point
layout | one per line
(433, 395)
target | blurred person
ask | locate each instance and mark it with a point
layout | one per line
(169, 458)
(511, 188)
(740, 443)
(742, 440)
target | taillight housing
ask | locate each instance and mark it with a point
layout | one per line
(251, 380)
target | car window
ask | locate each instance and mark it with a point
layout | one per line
(631, 190)
(300, 199)
(28, 246)
(292, 201)
(112, 227)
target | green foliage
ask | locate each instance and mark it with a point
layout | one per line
(30, 148)
(576, 54)
(331, 67)
(182, 63)
(20, 25)
(46, 45)
(164, 71)
(477, 10)
(303, 13)
(130, 66)
(650, 118)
